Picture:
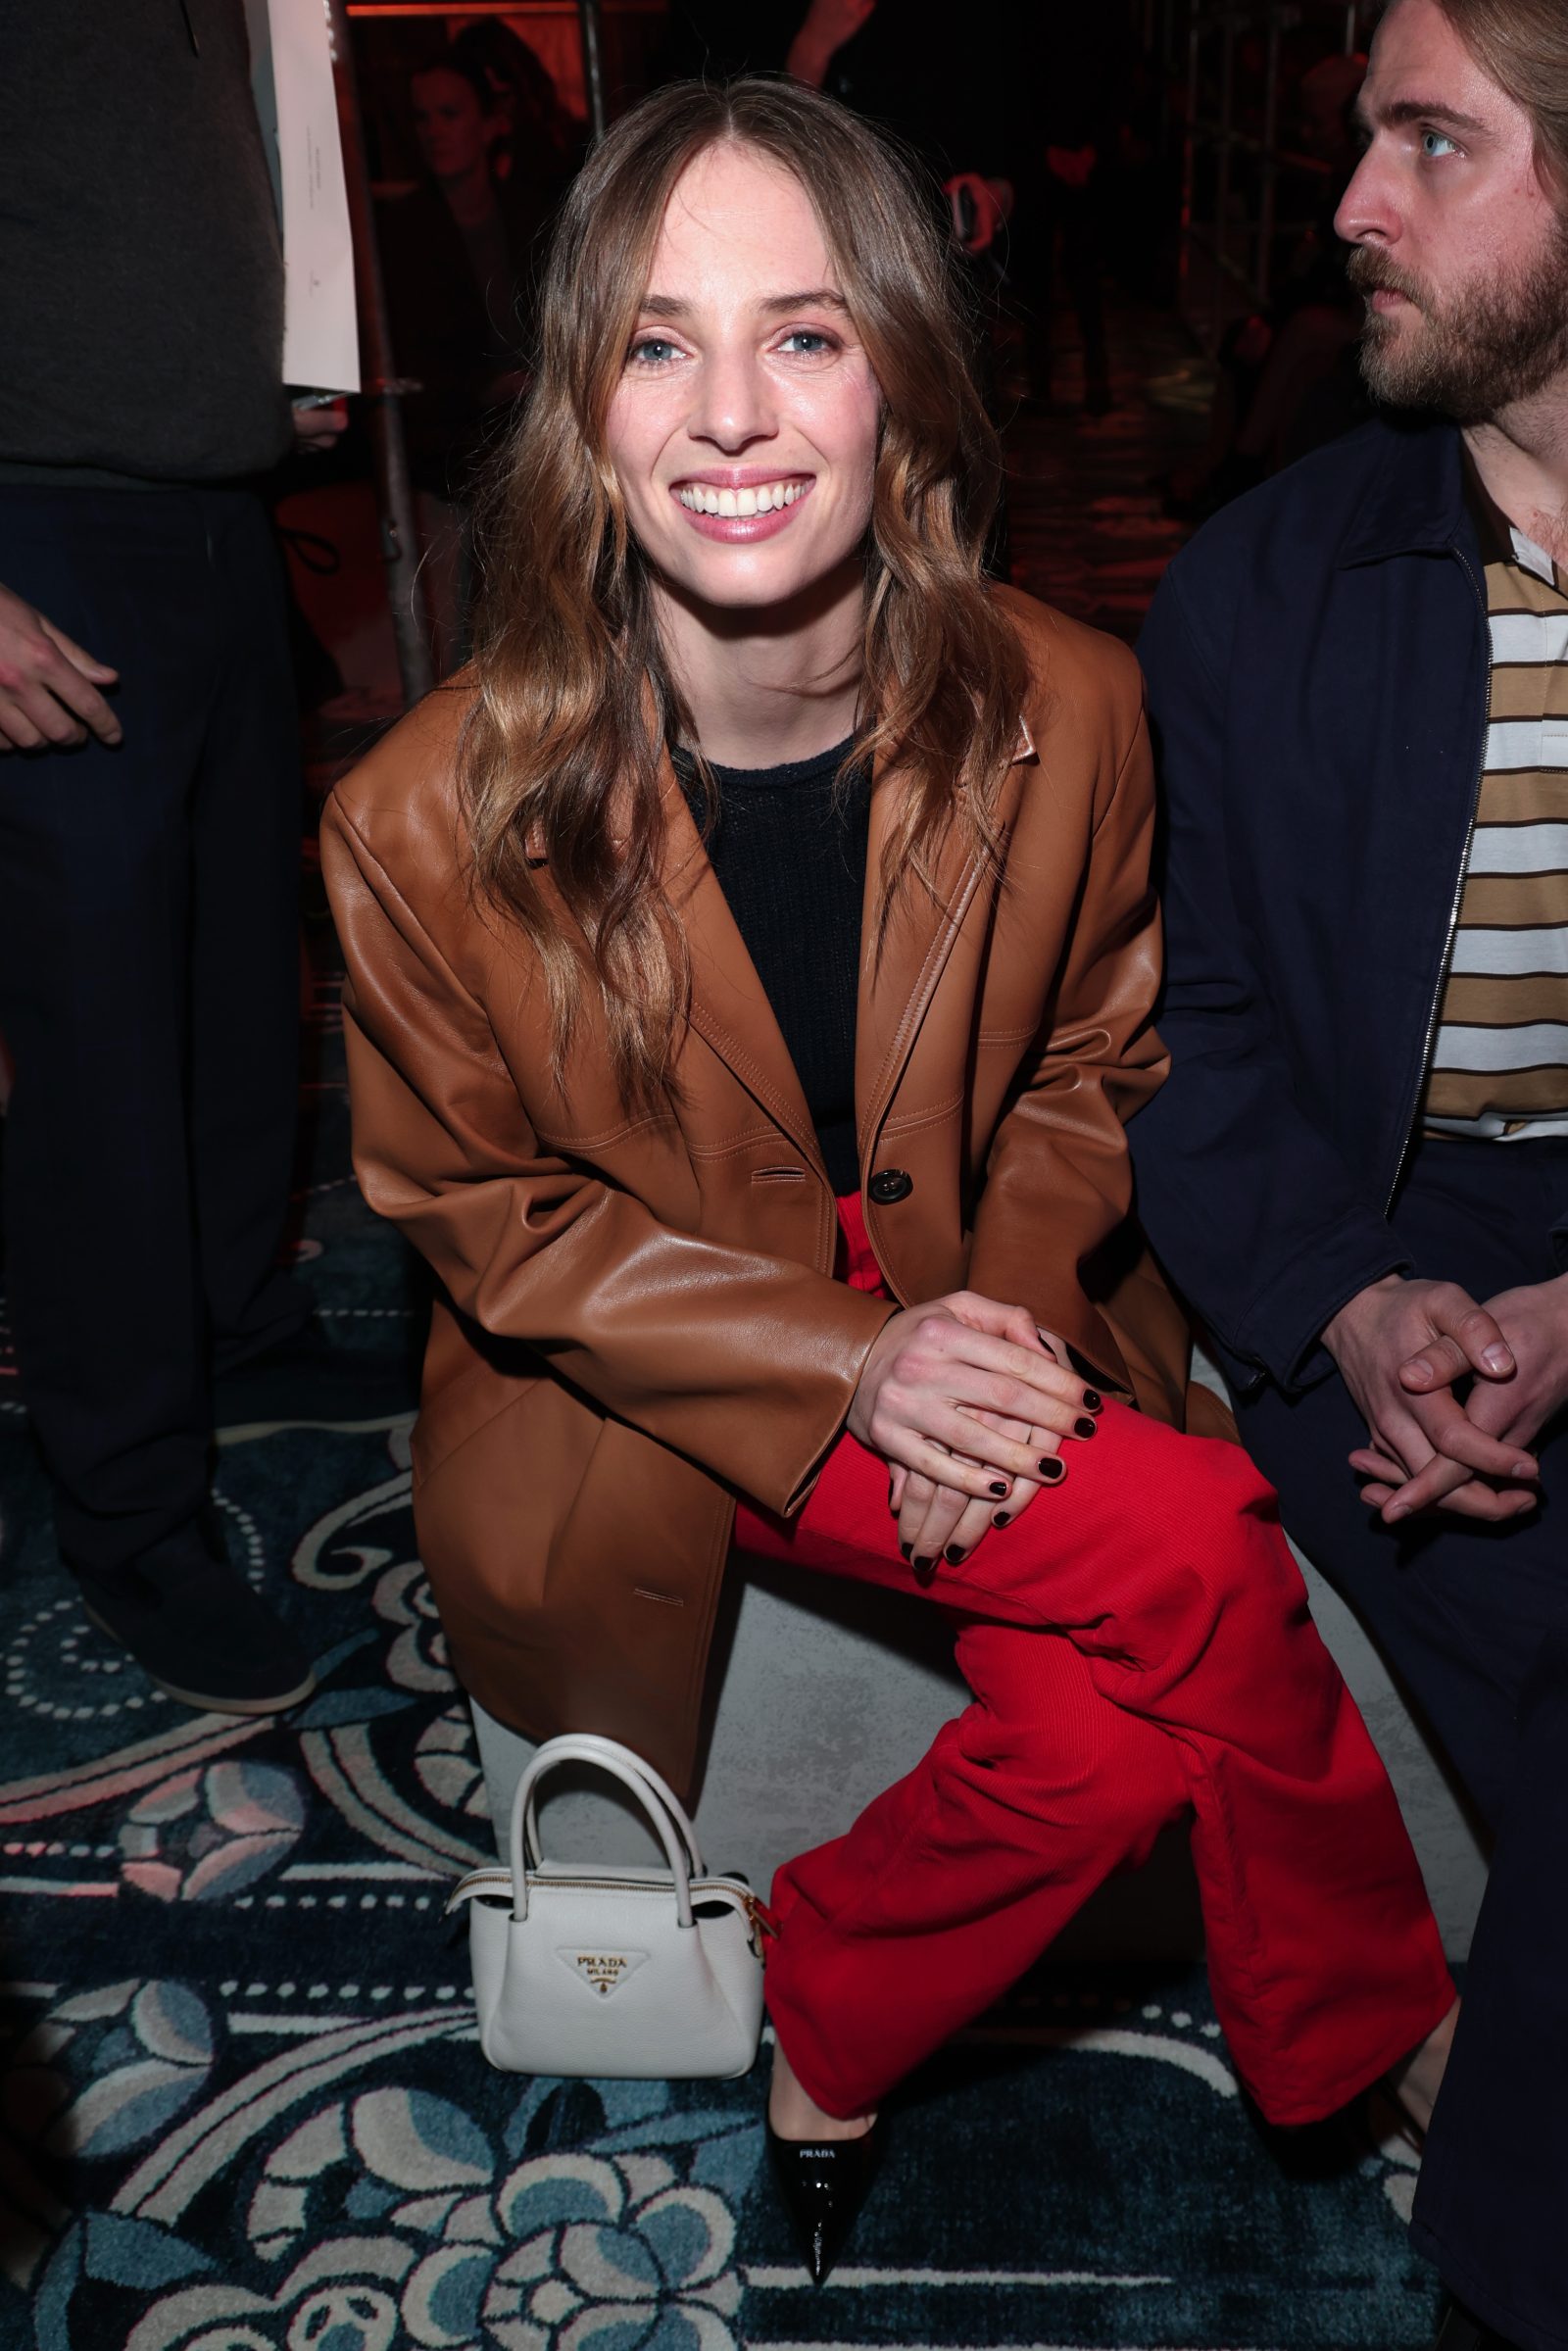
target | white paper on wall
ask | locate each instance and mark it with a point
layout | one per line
(291, 50)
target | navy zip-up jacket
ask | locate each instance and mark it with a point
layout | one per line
(1318, 667)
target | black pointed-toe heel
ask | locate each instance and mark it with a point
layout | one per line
(823, 2183)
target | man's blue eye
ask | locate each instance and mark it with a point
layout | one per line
(1433, 140)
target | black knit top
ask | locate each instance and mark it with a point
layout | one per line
(790, 854)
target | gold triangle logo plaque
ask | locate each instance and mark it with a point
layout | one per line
(604, 1972)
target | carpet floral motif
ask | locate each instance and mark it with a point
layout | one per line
(242, 2105)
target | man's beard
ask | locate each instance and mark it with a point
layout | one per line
(1495, 342)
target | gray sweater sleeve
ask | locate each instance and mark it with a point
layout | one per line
(140, 253)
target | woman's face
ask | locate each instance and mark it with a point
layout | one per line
(743, 431)
(454, 131)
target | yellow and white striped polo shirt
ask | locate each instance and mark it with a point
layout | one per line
(1500, 1062)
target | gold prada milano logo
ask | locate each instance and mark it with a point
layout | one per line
(604, 1972)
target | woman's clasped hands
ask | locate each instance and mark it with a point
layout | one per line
(968, 1403)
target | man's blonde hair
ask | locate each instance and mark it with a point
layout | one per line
(1522, 45)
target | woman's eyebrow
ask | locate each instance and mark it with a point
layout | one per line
(675, 306)
(814, 298)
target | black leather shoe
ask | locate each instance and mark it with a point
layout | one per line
(195, 1626)
(1459, 2332)
(823, 2183)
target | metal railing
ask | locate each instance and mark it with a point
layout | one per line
(1226, 57)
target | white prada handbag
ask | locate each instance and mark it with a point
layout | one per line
(609, 1971)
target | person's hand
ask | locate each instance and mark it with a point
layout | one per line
(936, 1518)
(49, 684)
(825, 27)
(1387, 1325)
(992, 200)
(319, 428)
(967, 1403)
(1070, 165)
(1514, 1407)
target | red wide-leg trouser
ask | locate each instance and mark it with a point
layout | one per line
(1139, 1646)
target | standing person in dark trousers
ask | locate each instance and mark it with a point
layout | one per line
(1358, 1169)
(149, 814)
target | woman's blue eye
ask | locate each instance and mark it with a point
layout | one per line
(1433, 140)
(653, 350)
(807, 335)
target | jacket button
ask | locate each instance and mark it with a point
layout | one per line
(889, 1183)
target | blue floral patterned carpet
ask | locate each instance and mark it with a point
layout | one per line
(242, 2107)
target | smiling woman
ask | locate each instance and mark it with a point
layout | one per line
(708, 326)
(752, 962)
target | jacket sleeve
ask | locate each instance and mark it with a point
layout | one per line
(1252, 1208)
(1059, 1180)
(745, 1362)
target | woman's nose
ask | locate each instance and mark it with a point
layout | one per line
(734, 403)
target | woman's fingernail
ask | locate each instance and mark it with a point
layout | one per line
(1093, 1399)
(953, 1556)
(1000, 1489)
(1053, 1472)
(1004, 1518)
(1085, 1428)
(908, 1548)
(924, 1570)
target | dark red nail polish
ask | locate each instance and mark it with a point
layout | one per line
(1053, 1472)
(1000, 1489)
(1004, 1518)
(1085, 1428)
(1093, 1399)
(924, 1570)
(908, 1548)
(953, 1556)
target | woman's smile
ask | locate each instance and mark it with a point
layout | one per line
(739, 505)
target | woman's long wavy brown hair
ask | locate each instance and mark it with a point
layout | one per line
(562, 761)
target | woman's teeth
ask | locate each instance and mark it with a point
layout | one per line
(701, 497)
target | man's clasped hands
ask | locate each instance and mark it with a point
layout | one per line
(1453, 1393)
(969, 1405)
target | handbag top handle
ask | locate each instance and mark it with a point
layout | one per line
(593, 1747)
(661, 1809)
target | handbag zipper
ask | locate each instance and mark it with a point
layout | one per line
(1463, 877)
(501, 1879)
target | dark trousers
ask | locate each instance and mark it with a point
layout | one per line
(1475, 1620)
(149, 997)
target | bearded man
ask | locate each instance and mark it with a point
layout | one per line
(1357, 1172)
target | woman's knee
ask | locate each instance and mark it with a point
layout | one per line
(1222, 1554)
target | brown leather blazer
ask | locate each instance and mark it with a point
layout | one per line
(640, 1319)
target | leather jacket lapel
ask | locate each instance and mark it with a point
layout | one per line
(730, 1010)
(729, 1006)
(898, 985)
